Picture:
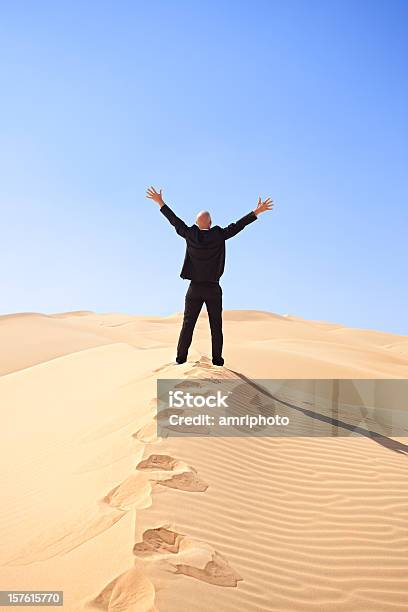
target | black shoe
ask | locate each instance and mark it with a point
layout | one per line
(218, 362)
(180, 360)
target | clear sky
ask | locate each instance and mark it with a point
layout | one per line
(216, 102)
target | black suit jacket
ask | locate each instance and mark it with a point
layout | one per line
(205, 249)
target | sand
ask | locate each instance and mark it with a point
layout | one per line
(95, 505)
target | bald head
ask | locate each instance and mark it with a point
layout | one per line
(203, 220)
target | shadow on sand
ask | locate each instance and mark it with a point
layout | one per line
(389, 443)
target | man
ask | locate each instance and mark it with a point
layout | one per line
(203, 266)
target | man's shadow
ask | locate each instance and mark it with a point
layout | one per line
(381, 439)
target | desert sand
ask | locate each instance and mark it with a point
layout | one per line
(96, 505)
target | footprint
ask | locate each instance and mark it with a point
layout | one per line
(187, 481)
(135, 491)
(204, 363)
(167, 412)
(148, 433)
(188, 384)
(158, 462)
(130, 592)
(160, 540)
(217, 571)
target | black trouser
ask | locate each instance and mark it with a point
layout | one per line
(197, 294)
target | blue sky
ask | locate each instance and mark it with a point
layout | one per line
(217, 103)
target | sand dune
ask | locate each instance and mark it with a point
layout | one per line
(96, 505)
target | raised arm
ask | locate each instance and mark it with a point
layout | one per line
(234, 228)
(179, 225)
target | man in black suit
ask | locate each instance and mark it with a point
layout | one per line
(203, 266)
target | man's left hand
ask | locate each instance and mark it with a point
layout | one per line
(263, 206)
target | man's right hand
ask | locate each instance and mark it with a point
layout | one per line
(152, 194)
